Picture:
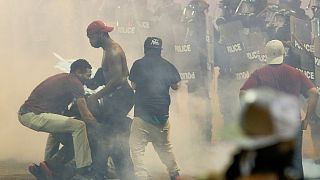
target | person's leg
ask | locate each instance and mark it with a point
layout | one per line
(54, 123)
(52, 147)
(138, 142)
(163, 146)
(60, 163)
(121, 151)
(297, 159)
(55, 158)
(100, 148)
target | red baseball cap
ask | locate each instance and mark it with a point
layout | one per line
(98, 26)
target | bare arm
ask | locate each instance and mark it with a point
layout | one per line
(312, 103)
(84, 110)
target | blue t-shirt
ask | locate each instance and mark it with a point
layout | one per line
(153, 77)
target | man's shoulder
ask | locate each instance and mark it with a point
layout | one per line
(291, 69)
(116, 49)
(73, 80)
(58, 77)
(138, 61)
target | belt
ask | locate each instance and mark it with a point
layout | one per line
(23, 110)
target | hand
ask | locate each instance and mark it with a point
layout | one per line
(304, 124)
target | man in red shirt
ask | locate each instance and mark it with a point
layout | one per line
(43, 110)
(284, 78)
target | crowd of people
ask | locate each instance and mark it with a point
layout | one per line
(100, 140)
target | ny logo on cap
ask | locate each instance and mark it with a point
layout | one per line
(155, 42)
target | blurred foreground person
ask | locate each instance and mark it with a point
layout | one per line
(284, 78)
(43, 111)
(151, 77)
(113, 102)
(270, 121)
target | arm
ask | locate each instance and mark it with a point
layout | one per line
(84, 110)
(312, 102)
(134, 75)
(96, 81)
(175, 78)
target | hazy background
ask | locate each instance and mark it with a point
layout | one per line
(30, 31)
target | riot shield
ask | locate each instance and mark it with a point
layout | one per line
(245, 49)
(187, 60)
(302, 45)
(131, 29)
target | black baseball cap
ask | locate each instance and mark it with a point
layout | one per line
(153, 43)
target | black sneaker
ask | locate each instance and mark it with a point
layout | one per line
(35, 170)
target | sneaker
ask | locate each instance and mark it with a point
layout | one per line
(35, 170)
(45, 169)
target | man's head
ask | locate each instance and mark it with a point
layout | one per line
(82, 69)
(96, 32)
(275, 52)
(152, 44)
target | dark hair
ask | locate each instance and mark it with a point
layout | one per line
(80, 64)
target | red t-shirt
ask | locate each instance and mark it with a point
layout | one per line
(54, 94)
(280, 77)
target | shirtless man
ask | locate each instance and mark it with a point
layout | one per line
(115, 72)
(114, 64)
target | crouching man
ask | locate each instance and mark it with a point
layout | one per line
(43, 110)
